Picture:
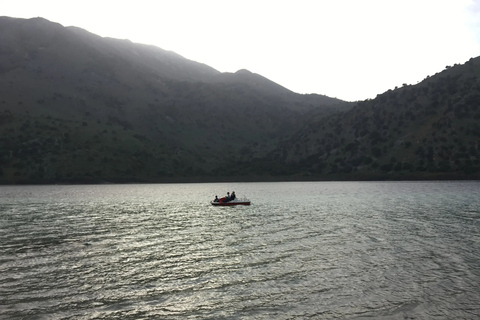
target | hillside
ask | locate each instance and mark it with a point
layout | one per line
(76, 107)
(426, 131)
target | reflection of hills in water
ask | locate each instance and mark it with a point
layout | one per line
(80, 108)
(302, 249)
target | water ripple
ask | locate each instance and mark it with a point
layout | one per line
(318, 250)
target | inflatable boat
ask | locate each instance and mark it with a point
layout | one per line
(234, 202)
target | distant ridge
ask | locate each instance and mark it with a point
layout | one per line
(76, 107)
(79, 108)
(426, 131)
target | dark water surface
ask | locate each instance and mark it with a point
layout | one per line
(318, 250)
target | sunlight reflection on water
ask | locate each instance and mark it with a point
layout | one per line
(318, 249)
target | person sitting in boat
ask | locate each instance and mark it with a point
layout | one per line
(232, 197)
(227, 198)
(216, 199)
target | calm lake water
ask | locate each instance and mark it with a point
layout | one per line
(317, 250)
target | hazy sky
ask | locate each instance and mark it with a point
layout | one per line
(349, 49)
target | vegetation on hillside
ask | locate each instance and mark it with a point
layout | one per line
(428, 130)
(75, 107)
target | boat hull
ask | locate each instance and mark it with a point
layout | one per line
(231, 203)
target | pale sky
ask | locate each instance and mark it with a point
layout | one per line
(347, 49)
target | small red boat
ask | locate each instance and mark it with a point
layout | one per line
(235, 202)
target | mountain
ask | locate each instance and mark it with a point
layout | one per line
(76, 107)
(426, 131)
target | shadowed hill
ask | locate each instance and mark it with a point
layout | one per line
(78, 107)
(428, 130)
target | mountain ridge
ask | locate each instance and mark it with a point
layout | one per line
(428, 130)
(114, 110)
(78, 108)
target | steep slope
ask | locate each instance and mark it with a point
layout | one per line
(256, 83)
(429, 130)
(78, 107)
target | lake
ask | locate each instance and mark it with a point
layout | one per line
(318, 250)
